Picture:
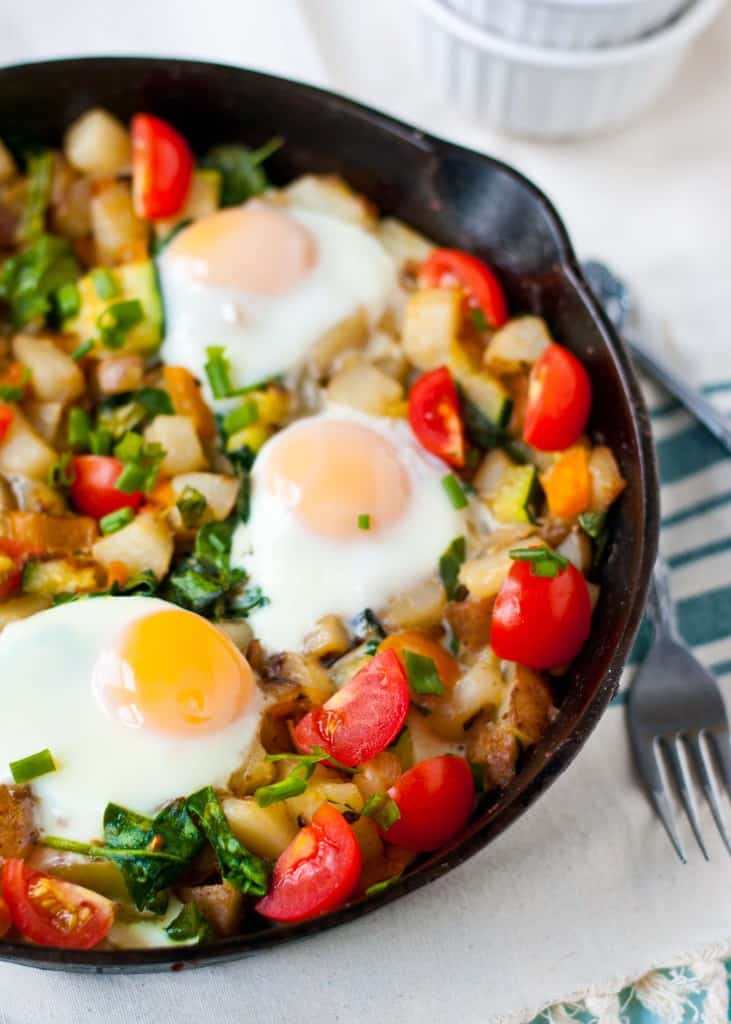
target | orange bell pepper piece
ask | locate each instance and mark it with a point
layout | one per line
(187, 400)
(568, 484)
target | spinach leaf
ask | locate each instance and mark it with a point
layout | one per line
(242, 175)
(190, 924)
(30, 279)
(242, 869)
(172, 835)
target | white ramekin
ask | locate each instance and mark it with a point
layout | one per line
(569, 24)
(551, 94)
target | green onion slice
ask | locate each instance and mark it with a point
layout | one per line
(544, 561)
(364, 521)
(32, 767)
(454, 491)
(422, 673)
(104, 282)
(382, 809)
(116, 520)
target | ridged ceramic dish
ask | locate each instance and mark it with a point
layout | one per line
(463, 200)
(543, 93)
(569, 24)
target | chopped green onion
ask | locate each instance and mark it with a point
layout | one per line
(544, 561)
(68, 300)
(83, 349)
(61, 473)
(103, 280)
(382, 809)
(364, 521)
(31, 767)
(449, 566)
(592, 523)
(117, 320)
(38, 194)
(293, 784)
(30, 280)
(217, 371)
(79, 429)
(100, 441)
(478, 775)
(243, 416)
(116, 520)
(454, 491)
(191, 505)
(317, 755)
(377, 887)
(10, 393)
(422, 673)
(130, 447)
(131, 479)
(479, 320)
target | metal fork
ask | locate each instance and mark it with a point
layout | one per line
(675, 710)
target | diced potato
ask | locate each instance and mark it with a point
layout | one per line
(517, 344)
(238, 631)
(69, 208)
(351, 333)
(17, 824)
(118, 374)
(495, 748)
(527, 707)
(606, 480)
(35, 495)
(480, 687)
(327, 637)
(402, 243)
(369, 840)
(145, 544)
(378, 774)
(384, 351)
(179, 439)
(489, 477)
(256, 772)
(346, 667)
(41, 534)
(203, 198)
(471, 621)
(60, 575)
(328, 193)
(23, 451)
(366, 388)
(483, 576)
(45, 418)
(304, 673)
(21, 608)
(576, 546)
(431, 324)
(185, 394)
(423, 606)
(55, 377)
(8, 168)
(345, 796)
(219, 491)
(266, 831)
(425, 743)
(98, 144)
(221, 904)
(119, 234)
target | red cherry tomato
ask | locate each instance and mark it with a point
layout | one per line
(559, 400)
(363, 717)
(317, 872)
(541, 621)
(7, 415)
(162, 167)
(5, 919)
(447, 266)
(435, 418)
(11, 567)
(93, 491)
(53, 912)
(435, 799)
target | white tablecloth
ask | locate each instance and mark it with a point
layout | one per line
(512, 927)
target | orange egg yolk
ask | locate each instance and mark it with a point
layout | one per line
(175, 673)
(254, 248)
(333, 473)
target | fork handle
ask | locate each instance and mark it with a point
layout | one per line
(660, 602)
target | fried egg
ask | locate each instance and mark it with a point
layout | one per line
(266, 283)
(315, 486)
(138, 701)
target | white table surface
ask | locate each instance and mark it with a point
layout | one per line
(655, 200)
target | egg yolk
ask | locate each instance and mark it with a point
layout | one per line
(176, 673)
(254, 248)
(340, 479)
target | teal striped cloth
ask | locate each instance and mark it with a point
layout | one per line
(695, 472)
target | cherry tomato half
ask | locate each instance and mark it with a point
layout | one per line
(363, 717)
(445, 266)
(418, 642)
(93, 492)
(559, 400)
(317, 872)
(7, 415)
(162, 167)
(11, 567)
(541, 621)
(53, 912)
(435, 800)
(435, 416)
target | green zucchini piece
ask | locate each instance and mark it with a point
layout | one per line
(134, 281)
(512, 503)
(59, 576)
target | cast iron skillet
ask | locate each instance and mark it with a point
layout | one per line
(461, 199)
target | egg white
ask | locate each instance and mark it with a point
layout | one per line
(306, 575)
(48, 701)
(269, 335)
